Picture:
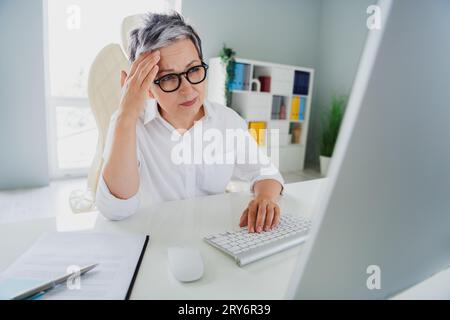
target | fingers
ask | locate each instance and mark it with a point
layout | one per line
(150, 77)
(260, 216)
(252, 212)
(123, 78)
(136, 62)
(276, 217)
(260, 219)
(145, 68)
(141, 58)
(269, 217)
(244, 218)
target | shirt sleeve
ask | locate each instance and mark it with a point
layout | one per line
(110, 206)
(254, 171)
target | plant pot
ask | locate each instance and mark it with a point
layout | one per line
(324, 163)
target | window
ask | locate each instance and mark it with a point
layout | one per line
(76, 31)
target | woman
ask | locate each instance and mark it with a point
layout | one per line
(163, 103)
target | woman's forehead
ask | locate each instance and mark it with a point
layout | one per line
(178, 55)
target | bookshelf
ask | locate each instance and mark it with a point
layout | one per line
(283, 102)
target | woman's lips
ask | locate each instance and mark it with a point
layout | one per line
(189, 103)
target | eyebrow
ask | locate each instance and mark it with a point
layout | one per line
(166, 70)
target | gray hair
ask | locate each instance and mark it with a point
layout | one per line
(160, 30)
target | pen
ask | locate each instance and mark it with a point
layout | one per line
(51, 284)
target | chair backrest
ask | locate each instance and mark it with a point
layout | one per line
(104, 92)
(128, 24)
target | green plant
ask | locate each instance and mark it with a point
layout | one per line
(227, 57)
(332, 120)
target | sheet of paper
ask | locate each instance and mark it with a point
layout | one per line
(56, 254)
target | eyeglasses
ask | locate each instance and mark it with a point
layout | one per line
(172, 81)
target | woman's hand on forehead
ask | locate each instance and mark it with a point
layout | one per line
(136, 85)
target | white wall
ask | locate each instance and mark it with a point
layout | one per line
(284, 31)
(23, 138)
(341, 40)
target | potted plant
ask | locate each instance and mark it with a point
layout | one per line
(330, 129)
(227, 56)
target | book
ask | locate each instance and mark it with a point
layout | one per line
(302, 108)
(295, 108)
(238, 80)
(295, 83)
(258, 130)
(301, 83)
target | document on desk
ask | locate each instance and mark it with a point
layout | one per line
(56, 254)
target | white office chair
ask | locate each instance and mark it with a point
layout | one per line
(104, 97)
(128, 24)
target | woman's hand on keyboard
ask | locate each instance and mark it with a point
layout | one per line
(262, 213)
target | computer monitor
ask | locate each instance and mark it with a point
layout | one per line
(383, 221)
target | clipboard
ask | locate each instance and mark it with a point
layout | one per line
(119, 257)
(138, 265)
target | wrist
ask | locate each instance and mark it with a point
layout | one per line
(267, 189)
(127, 118)
(267, 196)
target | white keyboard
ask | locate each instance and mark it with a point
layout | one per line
(247, 247)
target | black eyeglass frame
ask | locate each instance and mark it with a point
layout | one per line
(185, 74)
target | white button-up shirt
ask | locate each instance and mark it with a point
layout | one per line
(163, 174)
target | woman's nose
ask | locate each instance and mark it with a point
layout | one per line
(185, 86)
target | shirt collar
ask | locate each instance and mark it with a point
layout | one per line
(151, 110)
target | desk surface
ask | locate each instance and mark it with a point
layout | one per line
(186, 222)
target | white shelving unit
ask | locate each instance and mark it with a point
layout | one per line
(257, 106)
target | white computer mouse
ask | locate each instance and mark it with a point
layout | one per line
(186, 264)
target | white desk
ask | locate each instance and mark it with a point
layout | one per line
(186, 222)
